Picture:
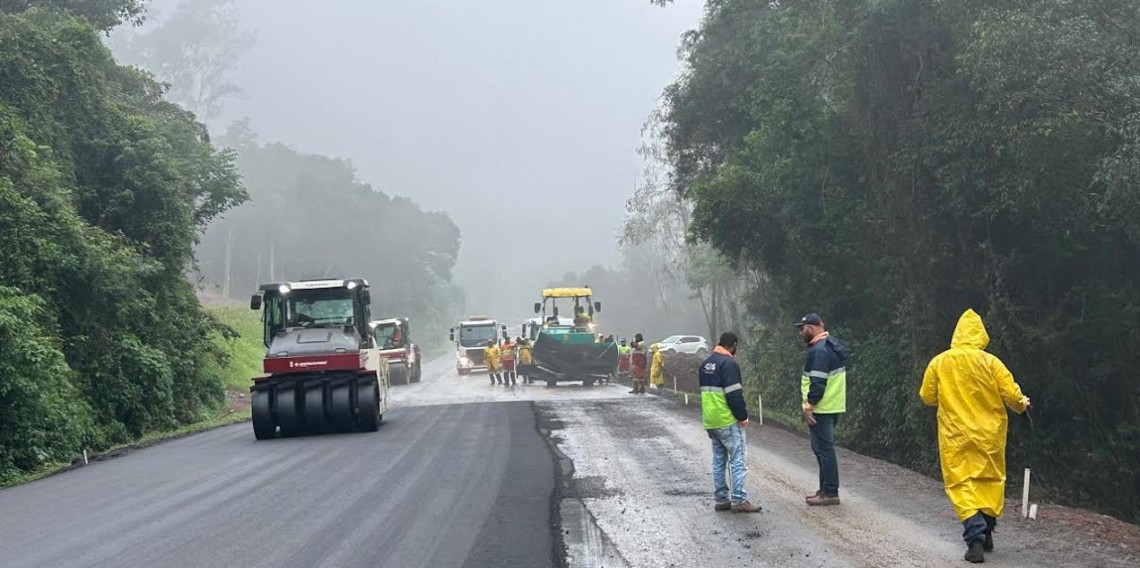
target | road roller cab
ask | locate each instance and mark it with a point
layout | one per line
(393, 338)
(322, 369)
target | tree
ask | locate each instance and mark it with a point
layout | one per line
(310, 216)
(103, 14)
(890, 164)
(104, 188)
(194, 50)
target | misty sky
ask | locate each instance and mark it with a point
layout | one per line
(520, 118)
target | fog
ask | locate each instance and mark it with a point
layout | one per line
(519, 118)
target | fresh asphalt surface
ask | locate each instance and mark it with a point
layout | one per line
(462, 485)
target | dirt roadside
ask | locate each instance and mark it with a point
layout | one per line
(641, 470)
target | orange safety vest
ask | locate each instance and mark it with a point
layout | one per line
(507, 353)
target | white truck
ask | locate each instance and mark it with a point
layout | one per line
(470, 337)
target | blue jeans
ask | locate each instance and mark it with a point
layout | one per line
(728, 445)
(977, 527)
(823, 445)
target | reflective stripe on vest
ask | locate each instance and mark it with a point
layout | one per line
(834, 399)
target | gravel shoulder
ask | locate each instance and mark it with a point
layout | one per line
(641, 469)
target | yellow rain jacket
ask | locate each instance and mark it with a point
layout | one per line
(969, 387)
(491, 358)
(657, 367)
(524, 355)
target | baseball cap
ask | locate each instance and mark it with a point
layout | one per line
(810, 319)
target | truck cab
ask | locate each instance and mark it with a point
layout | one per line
(470, 337)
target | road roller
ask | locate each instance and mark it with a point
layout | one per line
(322, 371)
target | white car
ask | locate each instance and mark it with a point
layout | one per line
(688, 344)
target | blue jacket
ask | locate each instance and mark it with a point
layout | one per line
(722, 394)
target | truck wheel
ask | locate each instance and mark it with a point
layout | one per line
(288, 416)
(316, 420)
(343, 417)
(369, 401)
(588, 382)
(264, 428)
(551, 384)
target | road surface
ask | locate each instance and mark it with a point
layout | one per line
(463, 473)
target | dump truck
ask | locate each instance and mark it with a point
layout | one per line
(470, 337)
(322, 369)
(574, 350)
(394, 340)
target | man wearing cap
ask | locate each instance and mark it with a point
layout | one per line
(824, 388)
(724, 416)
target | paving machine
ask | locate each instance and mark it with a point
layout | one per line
(322, 369)
(395, 343)
(574, 350)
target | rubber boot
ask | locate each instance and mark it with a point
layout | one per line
(976, 552)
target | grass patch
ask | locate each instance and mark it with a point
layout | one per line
(245, 351)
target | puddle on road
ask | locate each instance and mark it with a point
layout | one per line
(586, 545)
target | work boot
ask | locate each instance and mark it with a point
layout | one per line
(988, 545)
(726, 506)
(823, 500)
(813, 495)
(745, 507)
(975, 553)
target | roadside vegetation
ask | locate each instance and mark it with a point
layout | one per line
(104, 188)
(889, 164)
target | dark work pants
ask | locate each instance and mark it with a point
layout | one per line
(823, 445)
(977, 527)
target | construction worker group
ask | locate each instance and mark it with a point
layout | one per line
(970, 388)
(507, 360)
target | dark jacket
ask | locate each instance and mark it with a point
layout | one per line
(825, 375)
(722, 394)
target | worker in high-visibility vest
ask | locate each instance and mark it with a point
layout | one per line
(624, 352)
(491, 358)
(507, 358)
(640, 364)
(526, 360)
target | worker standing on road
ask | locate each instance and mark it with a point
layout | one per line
(724, 416)
(824, 388)
(624, 352)
(657, 367)
(969, 387)
(525, 359)
(639, 363)
(491, 358)
(507, 358)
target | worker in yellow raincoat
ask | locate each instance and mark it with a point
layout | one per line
(657, 367)
(491, 358)
(971, 389)
(526, 360)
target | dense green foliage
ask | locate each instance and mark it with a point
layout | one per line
(104, 187)
(310, 217)
(890, 163)
(103, 14)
